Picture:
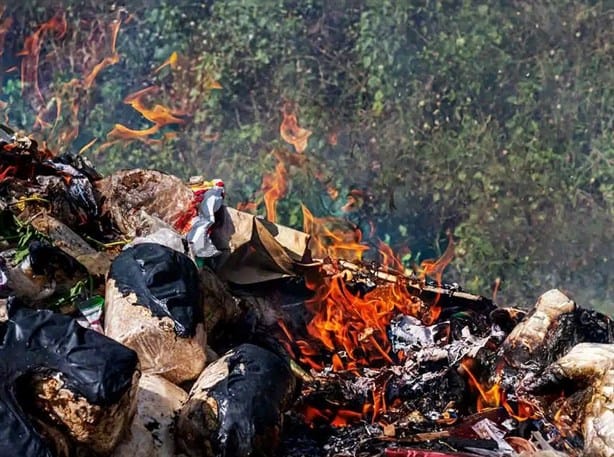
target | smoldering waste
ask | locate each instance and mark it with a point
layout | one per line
(111, 330)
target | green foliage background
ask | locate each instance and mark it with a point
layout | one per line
(493, 119)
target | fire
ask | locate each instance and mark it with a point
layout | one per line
(434, 268)
(357, 326)
(336, 418)
(274, 187)
(333, 237)
(57, 106)
(291, 132)
(109, 60)
(31, 54)
(496, 397)
(172, 61)
(159, 115)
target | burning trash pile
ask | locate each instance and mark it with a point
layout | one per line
(140, 316)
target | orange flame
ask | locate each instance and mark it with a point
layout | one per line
(31, 53)
(434, 268)
(496, 397)
(121, 132)
(159, 115)
(291, 132)
(172, 61)
(274, 186)
(109, 60)
(336, 418)
(332, 237)
(357, 325)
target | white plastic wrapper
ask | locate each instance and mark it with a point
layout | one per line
(199, 236)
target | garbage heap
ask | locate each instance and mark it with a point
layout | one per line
(140, 316)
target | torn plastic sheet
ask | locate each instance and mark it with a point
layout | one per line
(199, 235)
(164, 236)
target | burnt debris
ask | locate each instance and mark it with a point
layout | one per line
(321, 356)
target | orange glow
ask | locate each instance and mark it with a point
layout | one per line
(109, 60)
(159, 115)
(172, 61)
(274, 187)
(308, 353)
(248, 207)
(313, 415)
(291, 132)
(336, 418)
(332, 237)
(434, 268)
(495, 397)
(355, 325)
(345, 417)
(31, 54)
